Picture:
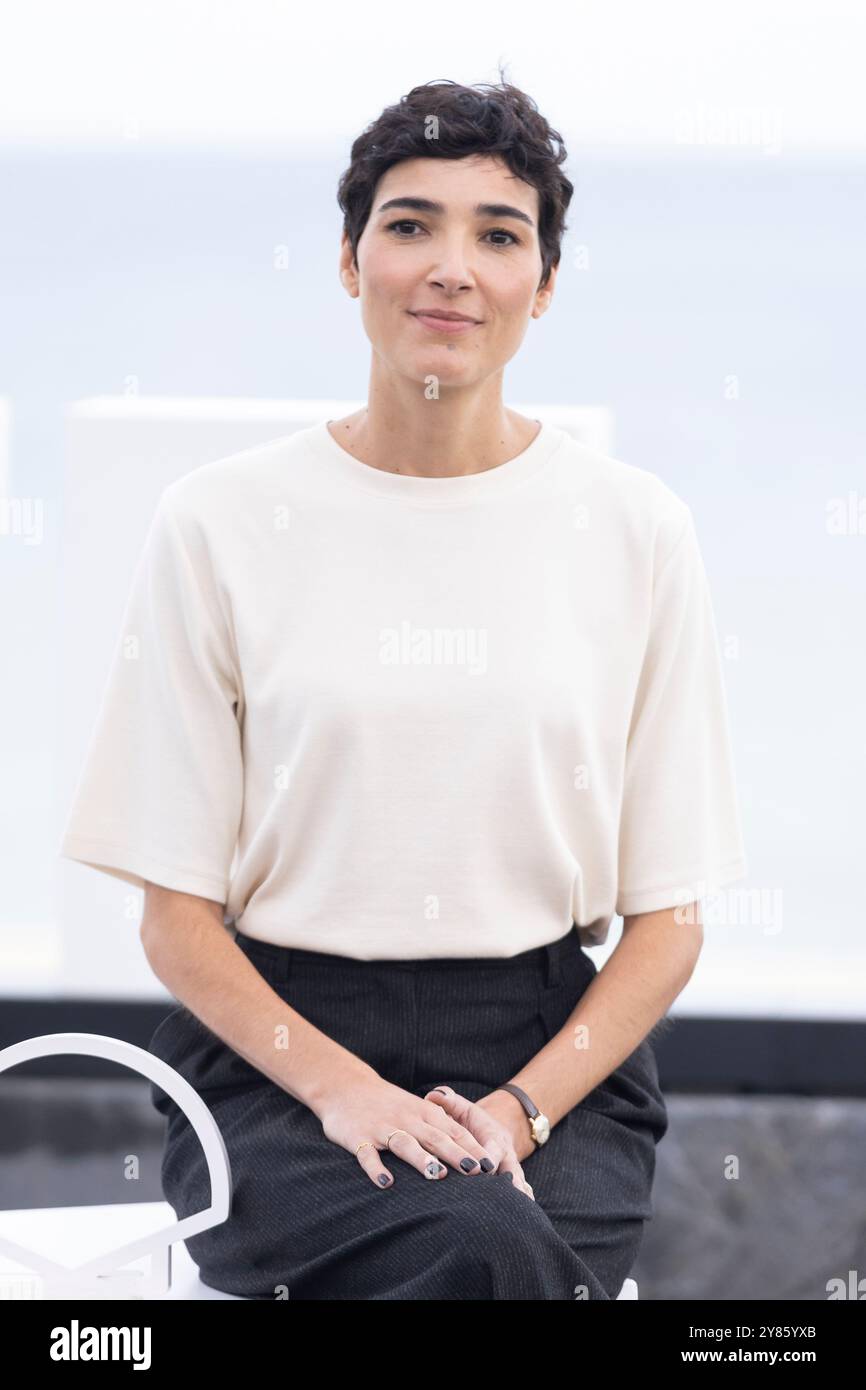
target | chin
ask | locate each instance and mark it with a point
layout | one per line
(439, 357)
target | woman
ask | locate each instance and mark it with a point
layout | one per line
(417, 700)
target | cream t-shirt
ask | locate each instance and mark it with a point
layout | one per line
(396, 717)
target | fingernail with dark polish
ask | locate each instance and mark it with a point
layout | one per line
(467, 1164)
(510, 1176)
(487, 1164)
(383, 1179)
(434, 1168)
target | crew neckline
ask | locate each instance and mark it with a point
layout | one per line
(490, 482)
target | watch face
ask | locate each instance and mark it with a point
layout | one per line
(541, 1129)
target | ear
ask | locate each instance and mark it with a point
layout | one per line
(544, 298)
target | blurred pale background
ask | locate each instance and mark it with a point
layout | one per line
(171, 231)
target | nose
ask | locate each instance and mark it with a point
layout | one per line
(452, 271)
(450, 283)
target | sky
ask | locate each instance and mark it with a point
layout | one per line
(782, 75)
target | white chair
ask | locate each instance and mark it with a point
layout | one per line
(65, 1234)
(123, 1254)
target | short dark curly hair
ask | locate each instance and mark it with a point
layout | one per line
(488, 118)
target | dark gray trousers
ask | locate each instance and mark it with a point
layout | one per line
(305, 1216)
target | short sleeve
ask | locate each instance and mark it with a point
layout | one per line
(160, 794)
(680, 836)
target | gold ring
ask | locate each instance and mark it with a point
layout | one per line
(391, 1136)
(361, 1146)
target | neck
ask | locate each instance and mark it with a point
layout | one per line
(434, 438)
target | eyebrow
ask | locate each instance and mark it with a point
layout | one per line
(480, 209)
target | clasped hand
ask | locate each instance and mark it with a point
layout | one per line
(432, 1133)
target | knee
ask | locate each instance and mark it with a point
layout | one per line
(503, 1242)
(489, 1216)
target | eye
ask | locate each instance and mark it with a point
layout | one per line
(494, 231)
(403, 223)
(500, 231)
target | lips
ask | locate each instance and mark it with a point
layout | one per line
(444, 326)
(442, 314)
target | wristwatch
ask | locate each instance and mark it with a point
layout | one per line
(539, 1125)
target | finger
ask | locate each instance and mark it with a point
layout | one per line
(455, 1105)
(510, 1167)
(450, 1101)
(407, 1147)
(487, 1152)
(444, 1119)
(371, 1161)
(459, 1125)
(463, 1152)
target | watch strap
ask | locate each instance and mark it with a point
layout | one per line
(531, 1110)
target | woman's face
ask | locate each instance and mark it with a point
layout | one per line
(456, 257)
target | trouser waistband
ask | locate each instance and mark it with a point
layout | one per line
(547, 958)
